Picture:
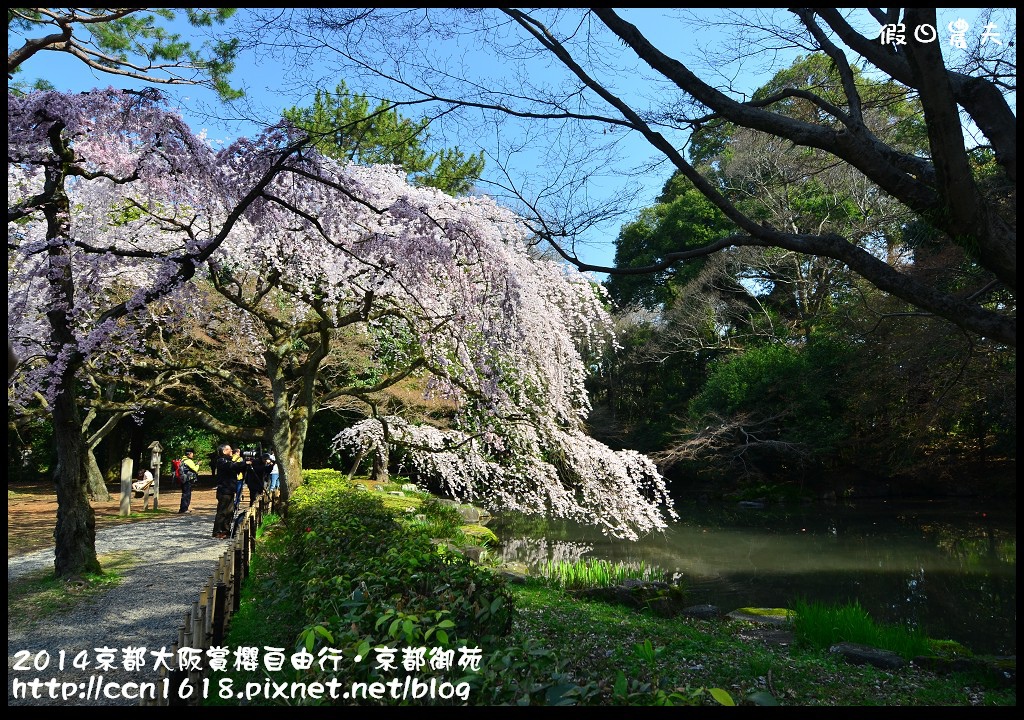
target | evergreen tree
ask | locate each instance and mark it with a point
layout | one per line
(343, 126)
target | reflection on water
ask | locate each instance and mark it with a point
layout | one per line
(537, 551)
(941, 566)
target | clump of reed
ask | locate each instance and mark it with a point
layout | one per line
(821, 626)
(587, 573)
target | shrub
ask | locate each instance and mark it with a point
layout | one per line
(369, 581)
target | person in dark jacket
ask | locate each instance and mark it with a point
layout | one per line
(225, 474)
(254, 479)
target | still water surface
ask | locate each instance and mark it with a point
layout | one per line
(945, 566)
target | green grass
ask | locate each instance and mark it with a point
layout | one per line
(598, 639)
(821, 626)
(269, 521)
(401, 504)
(269, 613)
(38, 596)
(139, 514)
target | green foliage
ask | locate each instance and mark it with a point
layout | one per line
(528, 673)
(271, 592)
(177, 434)
(821, 626)
(709, 144)
(885, 102)
(137, 40)
(638, 396)
(269, 521)
(345, 127)
(353, 578)
(639, 692)
(350, 546)
(351, 583)
(400, 504)
(479, 535)
(18, 88)
(442, 519)
(413, 629)
(684, 219)
(949, 649)
(30, 448)
(795, 386)
(926, 403)
(600, 641)
(756, 375)
(427, 514)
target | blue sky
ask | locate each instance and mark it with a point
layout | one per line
(263, 83)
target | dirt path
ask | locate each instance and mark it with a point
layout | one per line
(32, 511)
(171, 558)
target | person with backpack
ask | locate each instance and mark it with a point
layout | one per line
(188, 473)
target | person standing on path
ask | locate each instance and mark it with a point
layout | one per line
(225, 471)
(189, 474)
(237, 457)
(273, 472)
(254, 480)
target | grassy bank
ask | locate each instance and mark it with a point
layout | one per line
(356, 574)
(38, 596)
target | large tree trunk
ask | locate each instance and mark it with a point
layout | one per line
(379, 472)
(293, 410)
(380, 469)
(75, 533)
(288, 434)
(289, 438)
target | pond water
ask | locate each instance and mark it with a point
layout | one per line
(947, 567)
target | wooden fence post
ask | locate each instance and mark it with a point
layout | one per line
(208, 616)
(244, 565)
(251, 548)
(219, 599)
(237, 581)
(196, 630)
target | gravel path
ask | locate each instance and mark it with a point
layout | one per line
(176, 557)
